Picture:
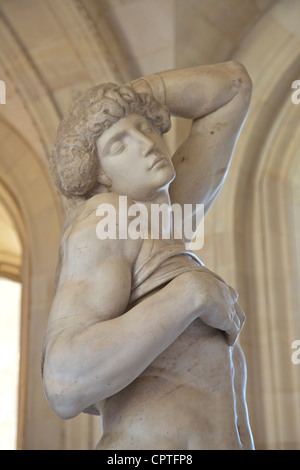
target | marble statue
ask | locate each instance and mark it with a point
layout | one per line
(140, 331)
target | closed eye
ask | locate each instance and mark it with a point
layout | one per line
(117, 147)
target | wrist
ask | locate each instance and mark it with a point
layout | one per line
(190, 295)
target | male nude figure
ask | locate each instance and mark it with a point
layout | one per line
(140, 331)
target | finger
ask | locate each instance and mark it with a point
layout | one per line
(233, 293)
(240, 313)
(232, 334)
(237, 323)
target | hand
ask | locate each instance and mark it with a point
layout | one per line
(216, 304)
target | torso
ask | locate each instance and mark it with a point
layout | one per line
(193, 395)
(187, 398)
(183, 400)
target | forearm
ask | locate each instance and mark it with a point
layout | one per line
(195, 92)
(84, 367)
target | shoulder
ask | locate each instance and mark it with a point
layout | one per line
(95, 231)
(97, 206)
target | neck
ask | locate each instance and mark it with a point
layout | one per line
(159, 214)
(161, 197)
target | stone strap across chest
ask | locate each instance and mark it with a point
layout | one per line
(161, 266)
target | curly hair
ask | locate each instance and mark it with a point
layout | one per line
(74, 162)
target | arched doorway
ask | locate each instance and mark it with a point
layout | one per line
(11, 254)
(35, 209)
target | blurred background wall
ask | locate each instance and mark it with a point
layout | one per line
(50, 50)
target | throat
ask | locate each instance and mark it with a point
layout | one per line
(159, 215)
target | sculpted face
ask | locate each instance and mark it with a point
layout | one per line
(134, 157)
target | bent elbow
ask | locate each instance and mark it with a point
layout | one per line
(59, 400)
(241, 77)
(60, 408)
(67, 393)
(68, 401)
(60, 388)
(241, 86)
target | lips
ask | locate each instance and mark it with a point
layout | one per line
(158, 159)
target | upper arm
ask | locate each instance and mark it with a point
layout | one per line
(101, 292)
(202, 161)
(83, 299)
(95, 276)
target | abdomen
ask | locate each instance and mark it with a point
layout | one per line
(183, 400)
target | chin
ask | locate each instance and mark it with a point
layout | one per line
(166, 174)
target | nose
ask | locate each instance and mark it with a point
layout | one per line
(151, 147)
(147, 144)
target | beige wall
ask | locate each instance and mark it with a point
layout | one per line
(49, 50)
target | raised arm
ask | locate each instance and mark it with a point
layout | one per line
(216, 98)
